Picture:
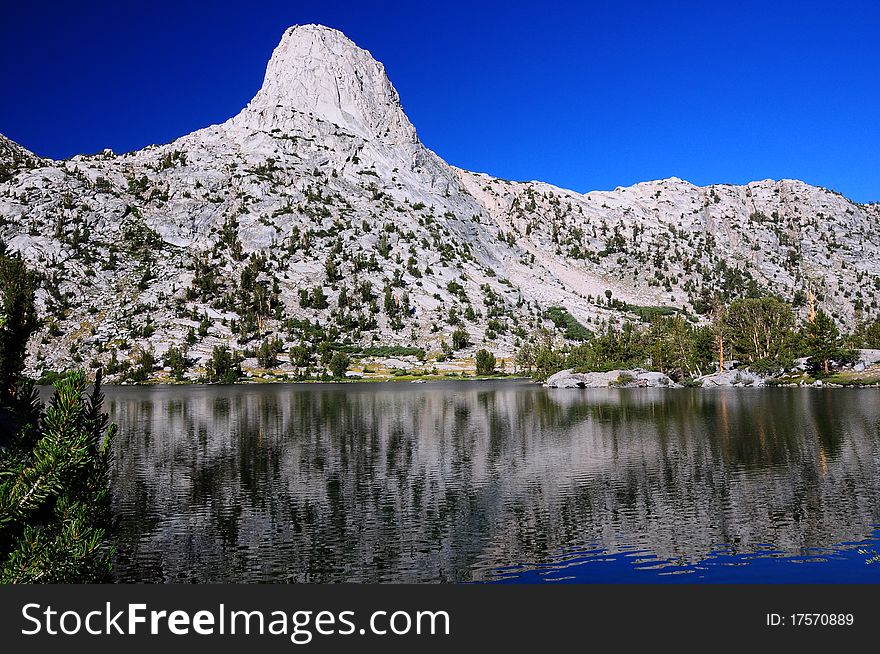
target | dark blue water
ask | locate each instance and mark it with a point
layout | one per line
(850, 563)
(496, 482)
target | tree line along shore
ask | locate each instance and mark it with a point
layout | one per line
(754, 338)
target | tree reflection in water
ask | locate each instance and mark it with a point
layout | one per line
(469, 481)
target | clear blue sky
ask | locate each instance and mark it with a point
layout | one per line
(586, 95)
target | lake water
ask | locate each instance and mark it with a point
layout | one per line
(495, 481)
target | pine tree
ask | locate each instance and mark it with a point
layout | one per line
(18, 320)
(525, 358)
(176, 359)
(55, 513)
(267, 353)
(224, 367)
(460, 339)
(823, 342)
(870, 336)
(759, 329)
(485, 362)
(339, 363)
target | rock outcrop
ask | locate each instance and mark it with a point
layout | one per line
(318, 72)
(610, 379)
(732, 378)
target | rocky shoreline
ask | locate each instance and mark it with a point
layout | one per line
(864, 372)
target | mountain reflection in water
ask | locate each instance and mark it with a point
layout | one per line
(487, 481)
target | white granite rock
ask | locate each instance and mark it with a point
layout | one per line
(612, 378)
(732, 378)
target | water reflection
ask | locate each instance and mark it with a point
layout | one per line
(491, 481)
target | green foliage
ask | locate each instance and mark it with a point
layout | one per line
(102, 185)
(385, 351)
(446, 351)
(497, 326)
(50, 377)
(177, 361)
(171, 159)
(267, 353)
(485, 361)
(623, 379)
(679, 349)
(331, 269)
(54, 470)
(759, 330)
(18, 319)
(9, 166)
(649, 313)
(770, 366)
(54, 490)
(525, 358)
(144, 362)
(460, 339)
(300, 356)
(610, 349)
(454, 287)
(671, 345)
(568, 324)
(140, 240)
(255, 298)
(870, 336)
(229, 239)
(823, 343)
(318, 300)
(339, 363)
(224, 367)
(396, 306)
(547, 362)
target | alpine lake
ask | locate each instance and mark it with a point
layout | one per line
(495, 481)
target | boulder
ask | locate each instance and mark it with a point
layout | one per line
(613, 378)
(731, 378)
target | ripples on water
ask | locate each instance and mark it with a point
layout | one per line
(504, 481)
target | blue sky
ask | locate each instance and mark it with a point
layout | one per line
(585, 95)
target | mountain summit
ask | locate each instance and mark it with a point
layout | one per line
(320, 72)
(315, 219)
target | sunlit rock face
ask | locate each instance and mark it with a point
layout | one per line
(319, 72)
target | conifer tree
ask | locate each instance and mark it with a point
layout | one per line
(55, 514)
(485, 362)
(18, 320)
(339, 363)
(823, 342)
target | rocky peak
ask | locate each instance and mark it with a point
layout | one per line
(12, 151)
(14, 157)
(319, 72)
